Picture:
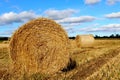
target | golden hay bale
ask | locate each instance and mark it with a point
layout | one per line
(39, 46)
(5, 42)
(85, 40)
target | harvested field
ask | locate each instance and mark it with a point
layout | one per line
(4, 60)
(93, 65)
(2, 45)
(110, 71)
(100, 62)
(73, 43)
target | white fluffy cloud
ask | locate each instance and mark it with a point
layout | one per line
(92, 1)
(111, 2)
(59, 14)
(11, 17)
(80, 19)
(104, 28)
(113, 15)
(64, 17)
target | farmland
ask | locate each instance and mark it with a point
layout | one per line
(100, 62)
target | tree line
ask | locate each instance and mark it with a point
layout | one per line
(96, 36)
(110, 36)
(4, 38)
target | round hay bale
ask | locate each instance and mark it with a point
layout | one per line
(39, 46)
(5, 42)
(85, 40)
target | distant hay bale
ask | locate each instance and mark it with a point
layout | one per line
(85, 40)
(5, 42)
(39, 46)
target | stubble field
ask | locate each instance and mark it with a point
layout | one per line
(100, 62)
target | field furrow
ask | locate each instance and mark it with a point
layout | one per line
(93, 65)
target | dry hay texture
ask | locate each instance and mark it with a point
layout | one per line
(40, 45)
(85, 40)
(73, 43)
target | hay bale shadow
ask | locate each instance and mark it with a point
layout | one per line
(71, 65)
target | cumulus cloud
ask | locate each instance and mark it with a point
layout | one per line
(111, 2)
(111, 27)
(104, 28)
(12, 17)
(92, 1)
(80, 19)
(113, 15)
(59, 14)
(66, 19)
(70, 23)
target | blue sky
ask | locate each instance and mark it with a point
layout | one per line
(97, 17)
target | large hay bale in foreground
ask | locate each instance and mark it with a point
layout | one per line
(39, 46)
(85, 40)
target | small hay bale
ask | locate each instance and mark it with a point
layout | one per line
(39, 46)
(85, 40)
(5, 42)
